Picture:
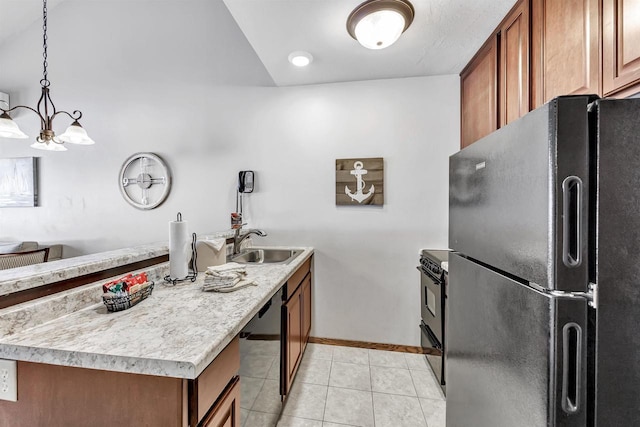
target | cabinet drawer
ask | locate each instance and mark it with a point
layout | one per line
(213, 380)
(295, 279)
(227, 411)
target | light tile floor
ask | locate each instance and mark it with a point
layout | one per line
(345, 386)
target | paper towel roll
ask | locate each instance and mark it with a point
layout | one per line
(178, 249)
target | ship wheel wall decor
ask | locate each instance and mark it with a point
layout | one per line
(145, 180)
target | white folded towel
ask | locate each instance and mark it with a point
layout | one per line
(226, 278)
(228, 267)
(239, 285)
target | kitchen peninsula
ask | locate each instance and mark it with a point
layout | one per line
(165, 361)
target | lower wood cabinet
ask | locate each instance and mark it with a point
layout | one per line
(226, 412)
(306, 310)
(62, 396)
(293, 309)
(296, 315)
(205, 391)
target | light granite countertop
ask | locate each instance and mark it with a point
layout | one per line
(32, 276)
(176, 332)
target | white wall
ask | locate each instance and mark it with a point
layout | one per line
(209, 110)
(367, 284)
(175, 78)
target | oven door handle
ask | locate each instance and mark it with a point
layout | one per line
(431, 336)
(429, 276)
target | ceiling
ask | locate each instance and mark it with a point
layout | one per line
(442, 39)
(16, 15)
(444, 36)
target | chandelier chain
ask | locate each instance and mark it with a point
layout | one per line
(45, 81)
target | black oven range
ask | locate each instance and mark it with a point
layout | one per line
(433, 297)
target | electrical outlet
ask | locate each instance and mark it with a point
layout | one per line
(8, 380)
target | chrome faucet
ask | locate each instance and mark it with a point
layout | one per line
(238, 239)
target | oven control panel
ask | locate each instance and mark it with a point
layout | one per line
(431, 267)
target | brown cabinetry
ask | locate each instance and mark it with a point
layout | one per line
(293, 309)
(548, 48)
(209, 386)
(55, 396)
(479, 94)
(306, 310)
(565, 48)
(620, 45)
(226, 413)
(296, 315)
(495, 86)
(514, 64)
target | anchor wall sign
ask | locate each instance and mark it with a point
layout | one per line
(360, 181)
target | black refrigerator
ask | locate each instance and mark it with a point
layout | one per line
(544, 281)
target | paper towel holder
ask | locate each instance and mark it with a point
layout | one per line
(192, 276)
(192, 264)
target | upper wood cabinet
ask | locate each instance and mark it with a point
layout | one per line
(565, 48)
(514, 64)
(620, 45)
(479, 94)
(549, 48)
(495, 84)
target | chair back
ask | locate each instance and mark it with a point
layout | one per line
(21, 259)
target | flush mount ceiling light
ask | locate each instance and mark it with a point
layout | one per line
(46, 110)
(377, 24)
(300, 58)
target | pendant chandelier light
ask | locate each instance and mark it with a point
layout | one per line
(46, 110)
(377, 24)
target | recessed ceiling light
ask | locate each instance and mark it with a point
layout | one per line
(300, 58)
(377, 24)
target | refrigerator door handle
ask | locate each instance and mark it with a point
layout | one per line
(572, 221)
(571, 367)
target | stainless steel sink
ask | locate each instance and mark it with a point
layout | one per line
(266, 256)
